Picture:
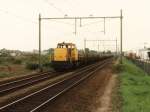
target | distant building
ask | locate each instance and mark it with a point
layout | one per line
(144, 53)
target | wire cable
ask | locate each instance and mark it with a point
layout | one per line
(53, 5)
(18, 16)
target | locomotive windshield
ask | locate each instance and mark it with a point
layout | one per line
(66, 45)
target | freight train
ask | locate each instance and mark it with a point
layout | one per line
(66, 56)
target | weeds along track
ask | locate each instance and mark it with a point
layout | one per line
(36, 101)
(9, 87)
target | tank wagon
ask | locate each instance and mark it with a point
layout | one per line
(66, 56)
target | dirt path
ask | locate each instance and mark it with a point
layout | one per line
(93, 95)
(105, 100)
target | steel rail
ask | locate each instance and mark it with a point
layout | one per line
(24, 84)
(38, 108)
(23, 79)
(48, 87)
(15, 85)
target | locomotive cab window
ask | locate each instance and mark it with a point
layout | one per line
(66, 45)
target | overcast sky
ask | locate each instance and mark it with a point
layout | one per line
(19, 23)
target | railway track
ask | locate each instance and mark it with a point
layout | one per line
(6, 88)
(38, 100)
(9, 87)
(23, 77)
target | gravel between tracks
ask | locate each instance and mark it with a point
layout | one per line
(17, 77)
(92, 95)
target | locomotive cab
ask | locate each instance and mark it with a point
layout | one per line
(65, 56)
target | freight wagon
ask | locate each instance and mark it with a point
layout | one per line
(66, 56)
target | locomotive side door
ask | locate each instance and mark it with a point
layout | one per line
(69, 47)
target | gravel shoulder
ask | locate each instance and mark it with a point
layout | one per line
(92, 95)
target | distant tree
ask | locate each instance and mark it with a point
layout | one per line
(87, 50)
(108, 52)
(4, 52)
(50, 51)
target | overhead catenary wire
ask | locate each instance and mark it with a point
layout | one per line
(53, 5)
(29, 20)
(70, 3)
(36, 22)
(25, 19)
(18, 16)
(67, 23)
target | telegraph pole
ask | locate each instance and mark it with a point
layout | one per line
(116, 47)
(85, 45)
(121, 17)
(80, 22)
(40, 64)
(98, 46)
(75, 26)
(104, 27)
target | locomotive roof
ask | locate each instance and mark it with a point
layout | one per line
(63, 43)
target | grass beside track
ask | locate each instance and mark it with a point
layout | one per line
(134, 88)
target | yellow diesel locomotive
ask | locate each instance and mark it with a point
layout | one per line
(65, 56)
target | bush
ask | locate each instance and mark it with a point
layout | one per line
(9, 59)
(1, 61)
(117, 68)
(32, 66)
(17, 61)
(47, 64)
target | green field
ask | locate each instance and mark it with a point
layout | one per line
(11, 66)
(134, 88)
